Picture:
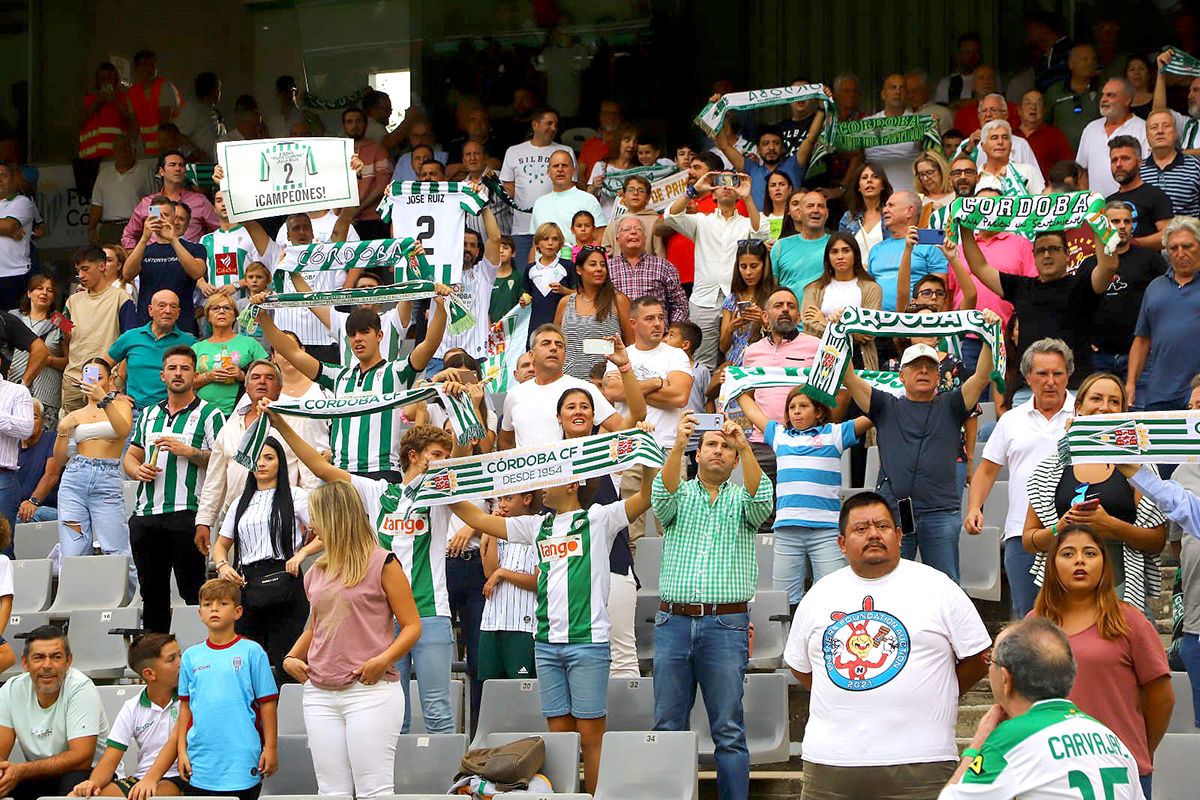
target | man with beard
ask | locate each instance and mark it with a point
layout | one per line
(1189, 126)
(226, 478)
(783, 346)
(1150, 205)
(373, 178)
(59, 745)
(920, 435)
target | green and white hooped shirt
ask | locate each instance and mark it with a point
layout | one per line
(227, 253)
(366, 443)
(416, 535)
(176, 487)
(1051, 751)
(572, 570)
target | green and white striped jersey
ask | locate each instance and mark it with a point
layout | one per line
(416, 535)
(286, 165)
(394, 332)
(434, 212)
(1051, 751)
(370, 442)
(227, 253)
(176, 487)
(572, 570)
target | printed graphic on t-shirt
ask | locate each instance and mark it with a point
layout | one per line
(864, 649)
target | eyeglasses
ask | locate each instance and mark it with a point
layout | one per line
(1049, 249)
(636, 190)
(958, 173)
(937, 294)
(926, 173)
(225, 309)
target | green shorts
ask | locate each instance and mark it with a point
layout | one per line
(127, 784)
(505, 654)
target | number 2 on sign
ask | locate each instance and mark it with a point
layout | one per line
(427, 223)
(287, 170)
(1109, 777)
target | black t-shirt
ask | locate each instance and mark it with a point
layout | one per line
(161, 270)
(918, 448)
(794, 132)
(1060, 309)
(1117, 309)
(14, 335)
(1150, 205)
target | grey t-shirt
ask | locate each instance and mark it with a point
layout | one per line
(1188, 476)
(918, 448)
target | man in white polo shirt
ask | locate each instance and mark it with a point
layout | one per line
(665, 377)
(1115, 120)
(1021, 439)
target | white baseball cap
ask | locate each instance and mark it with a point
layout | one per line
(913, 352)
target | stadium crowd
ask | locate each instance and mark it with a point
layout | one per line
(159, 365)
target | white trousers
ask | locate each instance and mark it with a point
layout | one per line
(622, 600)
(352, 736)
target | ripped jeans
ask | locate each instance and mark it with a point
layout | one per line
(91, 510)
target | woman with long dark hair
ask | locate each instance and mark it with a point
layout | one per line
(1122, 679)
(743, 314)
(594, 311)
(867, 191)
(775, 201)
(36, 309)
(844, 282)
(265, 529)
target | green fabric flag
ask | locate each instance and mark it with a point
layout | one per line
(199, 175)
(505, 346)
(461, 318)
(739, 380)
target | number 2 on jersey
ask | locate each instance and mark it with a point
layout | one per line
(427, 223)
(1109, 777)
(287, 170)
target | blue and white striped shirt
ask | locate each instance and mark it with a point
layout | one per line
(809, 472)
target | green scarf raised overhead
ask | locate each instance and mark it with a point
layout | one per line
(1033, 214)
(739, 380)
(833, 355)
(1148, 437)
(881, 131)
(370, 254)
(459, 408)
(711, 118)
(505, 346)
(614, 181)
(528, 468)
(1182, 63)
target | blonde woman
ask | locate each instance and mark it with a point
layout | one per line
(931, 175)
(353, 703)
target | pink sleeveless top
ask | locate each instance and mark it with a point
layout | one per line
(350, 624)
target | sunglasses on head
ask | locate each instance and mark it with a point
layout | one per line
(752, 244)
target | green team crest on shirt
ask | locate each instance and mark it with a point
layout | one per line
(286, 165)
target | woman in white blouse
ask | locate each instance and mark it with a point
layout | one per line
(845, 282)
(266, 528)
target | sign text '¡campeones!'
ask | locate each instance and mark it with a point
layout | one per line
(289, 196)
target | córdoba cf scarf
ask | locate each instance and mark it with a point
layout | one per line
(739, 380)
(461, 319)
(1033, 214)
(879, 131)
(1182, 63)
(528, 468)
(833, 355)
(369, 254)
(614, 180)
(711, 118)
(459, 408)
(505, 346)
(1149, 437)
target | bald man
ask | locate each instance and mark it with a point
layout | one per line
(895, 159)
(901, 213)
(138, 353)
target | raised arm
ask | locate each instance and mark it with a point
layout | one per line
(904, 272)
(672, 470)
(491, 246)
(422, 354)
(640, 503)
(724, 142)
(631, 388)
(970, 294)
(1106, 267)
(972, 387)
(753, 411)
(988, 275)
(284, 344)
(479, 520)
(860, 390)
(1160, 82)
(805, 150)
(304, 451)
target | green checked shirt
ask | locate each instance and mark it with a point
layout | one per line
(708, 547)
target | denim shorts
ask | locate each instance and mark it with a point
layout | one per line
(572, 679)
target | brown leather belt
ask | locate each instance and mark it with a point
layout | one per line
(702, 609)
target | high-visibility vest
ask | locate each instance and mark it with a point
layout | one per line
(100, 130)
(145, 109)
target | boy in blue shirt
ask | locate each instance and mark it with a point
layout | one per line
(228, 703)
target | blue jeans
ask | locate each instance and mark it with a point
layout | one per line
(44, 514)
(795, 548)
(1189, 651)
(90, 496)
(573, 679)
(1147, 781)
(711, 651)
(431, 657)
(9, 497)
(937, 540)
(1017, 563)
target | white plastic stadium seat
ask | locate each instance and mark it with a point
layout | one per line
(1176, 767)
(111, 699)
(188, 628)
(34, 539)
(99, 654)
(766, 715)
(995, 508)
(297, 775)
(769, 634)
(428, 762)
(643, 765)
(90, 582)
(630, 704)
(18, 625)
(871, 477)
(764, 551)
(979, 558)
(417, 722)
(647, 563)
(508, 706)
(643, 627)
(291, 710)
(1183, 716)
(32, 584)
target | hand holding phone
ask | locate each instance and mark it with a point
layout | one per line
(91, 374)
(597, 347)
(710, 422)
(1087, 505)
(933, 236)
(730, 179)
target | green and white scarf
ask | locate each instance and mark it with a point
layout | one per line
(505, 346)
(711, 118)
(459, 408)
(369, 254)
(461, 318)
(1033, 214)
(880, 131)
(1150, 437)
(739, 380)
(833, 355)
(1182, 63)
(199, 175)
(614, 180)
(538, 467)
